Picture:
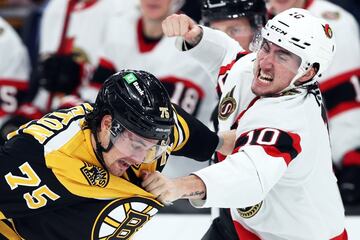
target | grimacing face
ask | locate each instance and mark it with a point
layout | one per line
(128, 149)
(274, 69)
(239, 29)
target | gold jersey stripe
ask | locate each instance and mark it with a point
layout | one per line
(8, 232)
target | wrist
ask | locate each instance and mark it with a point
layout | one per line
(192, 42)
(220, 143)
(193, 187)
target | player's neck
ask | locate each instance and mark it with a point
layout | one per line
(152, 28)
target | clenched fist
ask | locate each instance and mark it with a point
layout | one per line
(180, 25)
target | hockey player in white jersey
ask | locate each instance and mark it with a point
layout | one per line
(135, 40)
(340, 86)
(278, 182)
(14, 71)
(71, 34)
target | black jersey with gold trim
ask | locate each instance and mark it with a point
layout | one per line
(54, 187)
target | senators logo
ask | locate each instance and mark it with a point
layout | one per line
(249, 211)
(121, 219)
(227, 105)
(95, 176)
(328, 31)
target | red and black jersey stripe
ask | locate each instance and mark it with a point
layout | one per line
(225, 69)
(275, 142)
(341, 93)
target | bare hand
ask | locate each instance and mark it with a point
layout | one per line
(163, 188)
(180, 25)
(228, 144)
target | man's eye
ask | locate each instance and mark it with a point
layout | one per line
(137, 147)
(283, 57)
(266, 47)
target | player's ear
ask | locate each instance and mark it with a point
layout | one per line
(106, 122)
(307, 76)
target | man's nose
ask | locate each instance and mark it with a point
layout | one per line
(138, 157)
(267, 61)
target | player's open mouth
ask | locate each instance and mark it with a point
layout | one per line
(122, 163)
(264, 77)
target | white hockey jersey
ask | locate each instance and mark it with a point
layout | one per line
(14, 70)
(340, 85)
(189, 85)
(279, 181)
(83, 34)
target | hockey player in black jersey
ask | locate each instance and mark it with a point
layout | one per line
(75, 173)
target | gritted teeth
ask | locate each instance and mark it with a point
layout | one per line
(265, 77)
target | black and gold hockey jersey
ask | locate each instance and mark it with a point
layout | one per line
(53, 187)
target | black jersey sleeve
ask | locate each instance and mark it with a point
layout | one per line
(191, 137)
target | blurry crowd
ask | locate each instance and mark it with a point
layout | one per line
(57, 53)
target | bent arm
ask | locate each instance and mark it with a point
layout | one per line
(191, 138)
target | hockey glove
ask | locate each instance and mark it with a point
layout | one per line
(60, 73)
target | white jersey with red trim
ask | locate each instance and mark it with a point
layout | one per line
(279, 181)
(14, 70)
(340, 84)
(83, 34)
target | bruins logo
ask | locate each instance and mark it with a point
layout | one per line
(249, 211)
(121, 219)
(227, 105)
(96, 176)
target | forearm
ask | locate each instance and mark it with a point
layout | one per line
(216, 44)
(191, 187)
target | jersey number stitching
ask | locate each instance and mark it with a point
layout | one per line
(37, 198)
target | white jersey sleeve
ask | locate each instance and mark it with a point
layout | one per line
(216, 52)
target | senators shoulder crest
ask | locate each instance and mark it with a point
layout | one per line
(227, 105)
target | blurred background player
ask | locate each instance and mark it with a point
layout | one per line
(241, 20)
(340, 86)
(135, 40)
(70, 36)
(71, 32)
(14, 71)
